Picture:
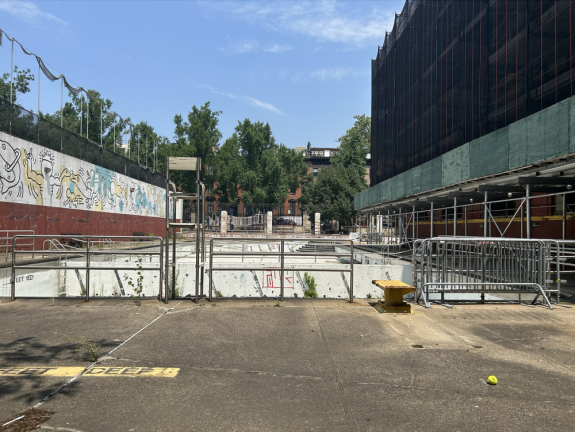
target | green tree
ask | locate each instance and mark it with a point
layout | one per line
(332, 192)
(83, 117)
(20, 84)
(252, 161)
(354, 146)
(228, 167)
(199, 136)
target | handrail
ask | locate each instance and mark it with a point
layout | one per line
(87, 253)
(281, 254)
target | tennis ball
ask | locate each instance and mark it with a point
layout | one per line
(492, 380)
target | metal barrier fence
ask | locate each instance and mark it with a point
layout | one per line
(6, 240)
(88, 253)
(24, 124)
(485, 265)
(282, 254)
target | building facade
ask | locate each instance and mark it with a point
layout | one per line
(453, 71)
(473, 119)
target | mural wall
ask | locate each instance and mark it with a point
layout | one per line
(49, 192)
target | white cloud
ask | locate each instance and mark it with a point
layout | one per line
(337, 73)
(325, 21)
(277, 48)
(253, 101)
(248, 46)
(28, 11)
(213, 90)
(264, 105)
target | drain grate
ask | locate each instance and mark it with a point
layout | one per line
(416, 346)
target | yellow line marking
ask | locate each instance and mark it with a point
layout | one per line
(95, 371)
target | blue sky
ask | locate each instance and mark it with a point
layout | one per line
(304, 67)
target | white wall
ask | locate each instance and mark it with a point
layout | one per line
(32, 174)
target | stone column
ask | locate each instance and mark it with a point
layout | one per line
(269, 223)
(317, 223)
(223, 223)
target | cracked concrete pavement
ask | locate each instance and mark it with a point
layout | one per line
(307, 365)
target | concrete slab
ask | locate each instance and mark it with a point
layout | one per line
(306, 365)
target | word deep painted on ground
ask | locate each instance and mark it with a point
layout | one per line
(95, 371)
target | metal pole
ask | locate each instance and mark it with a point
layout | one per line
(351, 273)
(445, 215)
(528, 204)
(282, 269)
(101, 136)
(167, 240)
(81, 107)
(161, 281)
(13, 280)
(564, 223)
(211, 266)
(454, 216)
(198, 165)
(465, 216)
(174, 258)
(522, 223)
(416, 227)
(138, 149)
(431, 229)
(38, 125)
(61, 110)
(490, 219)
(485, 216)
(88, 270)
(114, 134)
(11, 70)
(87, 117)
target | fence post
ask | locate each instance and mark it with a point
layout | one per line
(211, 265)
(88, 270)
(351, 273)
(13, 281)
(282, 268)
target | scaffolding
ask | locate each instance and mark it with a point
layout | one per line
(453, 71)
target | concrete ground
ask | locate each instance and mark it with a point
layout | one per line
(322, 365)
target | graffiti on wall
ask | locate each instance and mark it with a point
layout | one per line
(32, 174)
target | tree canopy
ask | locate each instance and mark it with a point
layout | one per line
(20, 85)
(355, 146)
(332, 191)
(252, 161)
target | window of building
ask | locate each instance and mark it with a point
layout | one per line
(291, 208)
(326, 153)
(210, 207)
(211, 169)
(315, 171)
(281, 210)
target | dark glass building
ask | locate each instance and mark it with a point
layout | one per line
(452, 71)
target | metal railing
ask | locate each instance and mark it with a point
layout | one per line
(6, 240)
(485, 265)
(88, 253)
(281, 254)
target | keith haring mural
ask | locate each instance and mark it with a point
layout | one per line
(32, 174)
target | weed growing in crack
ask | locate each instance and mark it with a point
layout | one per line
(138, 284)
(87, 347)
(311, 291)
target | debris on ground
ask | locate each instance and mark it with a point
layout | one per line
(26, 421)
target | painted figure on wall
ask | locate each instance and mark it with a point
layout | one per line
(34, 177)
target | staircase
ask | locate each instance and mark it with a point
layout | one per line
(316, 247)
